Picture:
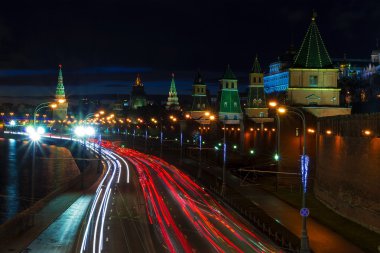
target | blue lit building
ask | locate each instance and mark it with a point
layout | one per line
(277, 80)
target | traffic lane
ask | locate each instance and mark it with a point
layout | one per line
(129, 229)
(226, 228)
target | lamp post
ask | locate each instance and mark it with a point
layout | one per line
(224, 159)
(45, 105)
(207, 116)
(304, 173)
(34, 136)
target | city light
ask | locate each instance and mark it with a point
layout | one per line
(281, 110)
(310, 130)
(252, 152)
(35, 133)
(235, 146)
(276, 157)
(12, 123)
(367, 132)
(328, 132)
(272, 103)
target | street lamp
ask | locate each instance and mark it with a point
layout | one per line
(304, 173)
(206, 116)
(34, 135)
(45, 105)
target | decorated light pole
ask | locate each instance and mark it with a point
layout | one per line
(304, 173)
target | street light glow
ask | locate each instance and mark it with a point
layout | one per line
(80, 131)
(272, 103)
(90, 131)
(367, 132)
(40, 130)
(276, 157)
(281, 109)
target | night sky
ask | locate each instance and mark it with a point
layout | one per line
(103, 44)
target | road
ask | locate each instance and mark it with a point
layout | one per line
(185, 217)
(117, 220)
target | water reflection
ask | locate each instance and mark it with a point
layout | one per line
(15, 173)
(12, 190)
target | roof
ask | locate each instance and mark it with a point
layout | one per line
(198, 79)
(138, 81)
(60, 90)
(256, 66)
(313, 53)
(229, 74)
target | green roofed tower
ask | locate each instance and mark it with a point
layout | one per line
(60, 91)
(313, 81)
(60, 112)
(229, 108)
(172, 103)
(313, 53)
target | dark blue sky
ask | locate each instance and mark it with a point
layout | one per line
(102, 44)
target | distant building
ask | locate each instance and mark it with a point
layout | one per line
(351, 68)
(229, 103)
(256, 108)
(200, 103)
(172, 102)
(60, 112)
(138, 97)
(277, 80)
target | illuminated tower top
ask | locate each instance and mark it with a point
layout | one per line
(313, 53)
(138, 81)
(172, 103)
(60, 91)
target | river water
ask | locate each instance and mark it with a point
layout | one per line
(16, 188)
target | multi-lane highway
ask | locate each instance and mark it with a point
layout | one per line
(143, 204)
(116, 221)
(185, 217)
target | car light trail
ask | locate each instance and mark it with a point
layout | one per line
(94, 230)
(214, 223)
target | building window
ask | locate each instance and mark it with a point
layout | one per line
(313, 81)
(261, 114)
(225, 104)
(254, 79)
(199, 106)
(235, 104)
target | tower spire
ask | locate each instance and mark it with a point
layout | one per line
(60, 91)
(172, 103)
(313, 53)
(138, 80)
(256, 66)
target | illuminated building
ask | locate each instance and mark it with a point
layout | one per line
(200, 102)
(257, 109)
(277, 80)
(312, 78)
(229, 104)
(172, 103)
(138, 97)
(60, 112)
